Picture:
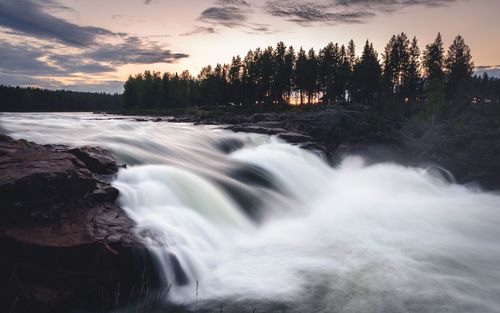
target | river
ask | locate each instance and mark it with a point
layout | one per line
(250, 223)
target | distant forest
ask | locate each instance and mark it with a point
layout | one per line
(402, 81)
(17, 99)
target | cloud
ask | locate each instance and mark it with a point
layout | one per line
(31, 18)
(32, 59)
(230, 14)
(239, 3)
(200, 30)
(79, 84)
(133, 50)
(340, 11)
(108, 86)
(310, 12)
(23, 59)
(41, 44)
(70, 64)
(491, 70)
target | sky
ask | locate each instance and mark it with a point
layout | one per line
(94, 45)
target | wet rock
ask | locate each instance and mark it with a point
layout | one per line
(97, 160)
(36, 179)
(293, 137)
(107, 193)
(246, 128)
(64, 244)
(228, 145)
(468, 147)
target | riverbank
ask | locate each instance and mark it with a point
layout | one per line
(467, 145)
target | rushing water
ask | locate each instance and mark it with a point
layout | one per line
(258, 223)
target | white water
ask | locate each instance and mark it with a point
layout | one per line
(357, 238)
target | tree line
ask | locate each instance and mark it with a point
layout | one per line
(17, 99)
(402, 81)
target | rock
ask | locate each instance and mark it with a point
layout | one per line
(467, 146)
(97, 160)
(295, 137)
(64, 244)
(36, 180)
(245, 128)
(107, 193)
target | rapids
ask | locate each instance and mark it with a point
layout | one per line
(246, 222)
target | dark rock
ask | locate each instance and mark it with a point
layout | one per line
(107, 193)
(229, 145)
(467, 146)
(295, 137)
(64, 245)
(36, 179)
(97, 160)
(245, 128)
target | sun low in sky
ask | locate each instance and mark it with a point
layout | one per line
(94, 45)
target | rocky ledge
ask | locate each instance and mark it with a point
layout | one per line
(64, 244)
(468, 145)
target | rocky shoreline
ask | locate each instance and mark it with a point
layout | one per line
(64, 242)
(466, 145)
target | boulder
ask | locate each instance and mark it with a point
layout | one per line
(64, 244)
(97, 160)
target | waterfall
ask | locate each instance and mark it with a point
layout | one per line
(250, 221)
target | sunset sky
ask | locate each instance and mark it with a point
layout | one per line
(93, 45)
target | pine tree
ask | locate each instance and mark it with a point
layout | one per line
(433, 60)
(412, 76)
(459, 68)
(351, 55)
(328, 57)
(342, 74)
(301, 73)
(367, 76)
(235, 80)
(433, 63)
(267, 74)
(396, 62)
(288, 73)
(280, 83)
(249, 79)
(311, 75)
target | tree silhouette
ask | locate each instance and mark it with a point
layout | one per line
(396, 60)
(267, 78)
(459, 69)
(301, 73)
(433, 62)
(367, 76)
(412, 77)
(406, 82)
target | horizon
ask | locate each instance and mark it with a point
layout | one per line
(69, 45)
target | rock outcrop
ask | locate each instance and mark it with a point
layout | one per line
(467, 145)
(64, 244)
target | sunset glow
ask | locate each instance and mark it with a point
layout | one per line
(95, 45)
